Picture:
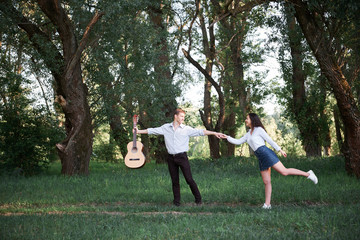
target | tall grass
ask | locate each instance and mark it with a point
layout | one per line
(115, 202)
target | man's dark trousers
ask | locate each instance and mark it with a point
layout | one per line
(174, 162)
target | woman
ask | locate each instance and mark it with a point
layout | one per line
(256, 138)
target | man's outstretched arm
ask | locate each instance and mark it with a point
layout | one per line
(217, 134)
(143, 131)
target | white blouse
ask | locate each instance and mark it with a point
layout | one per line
(255, 140)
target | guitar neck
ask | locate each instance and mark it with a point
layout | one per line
(134, 136)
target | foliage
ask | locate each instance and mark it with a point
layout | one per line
(120, 65)
(104, 148)
(306, 112)
(124, 72)
(279, 128)
(27, 135)
(120, 70)
(105, 152)
(198, 146)
(285, 134)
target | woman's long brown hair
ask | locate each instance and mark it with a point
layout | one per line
(255, 121)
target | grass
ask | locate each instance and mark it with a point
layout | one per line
(115, 202)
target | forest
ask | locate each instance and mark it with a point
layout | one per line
(74, 72)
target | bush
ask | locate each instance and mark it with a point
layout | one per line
(27, 143)
(105, 152)
(27, 135)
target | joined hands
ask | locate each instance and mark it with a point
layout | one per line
(221, 135)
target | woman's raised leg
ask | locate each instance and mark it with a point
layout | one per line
(280, 168)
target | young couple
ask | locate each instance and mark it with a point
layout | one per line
(177, 136)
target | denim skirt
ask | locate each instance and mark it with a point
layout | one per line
(267, 158)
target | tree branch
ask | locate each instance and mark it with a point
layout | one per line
(239, 7)
(41, 42)
(76, 57)
(202, 70)
(214, 84)
(190, 27)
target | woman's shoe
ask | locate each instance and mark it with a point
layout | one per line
(312, 177)
(266, 206)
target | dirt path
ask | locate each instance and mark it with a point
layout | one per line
(41, 209)
(114, 213)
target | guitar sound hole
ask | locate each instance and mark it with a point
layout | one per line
(134, 150)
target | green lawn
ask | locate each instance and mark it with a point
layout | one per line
(115, 202)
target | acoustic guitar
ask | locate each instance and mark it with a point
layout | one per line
(135, 157)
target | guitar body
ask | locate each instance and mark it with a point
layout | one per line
(135, 158)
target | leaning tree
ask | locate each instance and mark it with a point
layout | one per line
(53, 35)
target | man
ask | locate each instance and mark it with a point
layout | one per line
(177, 136)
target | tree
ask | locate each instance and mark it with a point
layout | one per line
(65, 66)
(235, 54)
(304, 94)
(131, 70)
(233, 32)
(27, 134)
(323, 25)
(208, 49)
(163, 75)
(225, 64)
(319, 24)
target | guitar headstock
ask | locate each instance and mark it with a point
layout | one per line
(135, 119)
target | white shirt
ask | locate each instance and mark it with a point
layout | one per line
(255, 140)
(176, 141)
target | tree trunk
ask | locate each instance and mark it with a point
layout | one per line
(325, 125)
(162, 66)
(207, 119)
(312, 150)
(233, 84)
(350, 114)
(209, 52)
(308, 126)
(338, 127)
(327, 145)
(236, 47)
(76, 149)
(118, 131)
(230, 129)
(237, 78)
(163, 74)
